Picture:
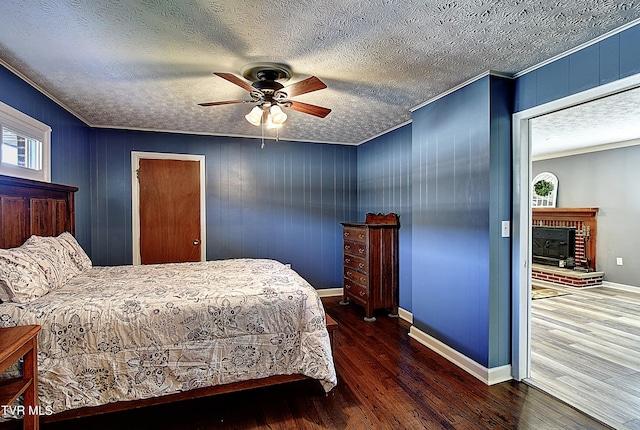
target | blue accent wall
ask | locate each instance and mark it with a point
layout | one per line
(608, 60)
(285, 201)
(448, 176)
(461, 191)
(69, 143)
(384, 185)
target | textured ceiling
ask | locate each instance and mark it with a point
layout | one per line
(603, 123)
(147, 64)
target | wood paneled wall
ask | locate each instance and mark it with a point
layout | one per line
(285, 201)
(384, 185)
(608, 60)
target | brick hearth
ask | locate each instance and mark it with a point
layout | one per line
(566, 277)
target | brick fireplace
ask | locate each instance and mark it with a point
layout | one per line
(584, 220)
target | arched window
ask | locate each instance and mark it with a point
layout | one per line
(544, 190)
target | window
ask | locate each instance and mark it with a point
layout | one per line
(25, 145)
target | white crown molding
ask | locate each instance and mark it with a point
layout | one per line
(462, 85)
(578, 48)
(45, 93)
(385, 132)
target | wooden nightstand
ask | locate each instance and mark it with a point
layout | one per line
(17, 342)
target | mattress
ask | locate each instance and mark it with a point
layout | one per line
(122, 333)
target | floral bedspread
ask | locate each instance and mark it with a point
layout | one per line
(132, 332)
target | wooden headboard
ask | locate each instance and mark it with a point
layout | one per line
(31, 207)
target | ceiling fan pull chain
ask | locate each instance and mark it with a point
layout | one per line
(262, 127)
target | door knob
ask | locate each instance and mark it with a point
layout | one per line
(196, 242)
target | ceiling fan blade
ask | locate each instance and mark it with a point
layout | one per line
(228, 102)
(235, 80)
(306, 86)
(310, 109)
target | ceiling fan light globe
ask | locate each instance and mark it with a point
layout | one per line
(255, 116)
(277, 115)
(270, 123)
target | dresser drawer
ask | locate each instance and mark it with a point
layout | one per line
(355, 248)
(355, 276)
(354, 262)
(355, 234)
(355, 291)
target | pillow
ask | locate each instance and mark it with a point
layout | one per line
(53, 258)
(23, 278)
(81, 259)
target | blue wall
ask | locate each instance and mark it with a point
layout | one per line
(461, 191)
(69, 148)
(449, 185)
(611, 59)
(285, 201)
(384, 185)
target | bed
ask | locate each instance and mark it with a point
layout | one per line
(119, 337)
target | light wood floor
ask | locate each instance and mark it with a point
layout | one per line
(586, 352)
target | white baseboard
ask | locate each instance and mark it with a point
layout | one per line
(405, 315)
(491, 376)
(330, 292)
(624, 287)
(337, 292)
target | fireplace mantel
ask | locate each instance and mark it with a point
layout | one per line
(584, 219)
(565, 213)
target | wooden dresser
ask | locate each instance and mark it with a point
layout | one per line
(370, 260)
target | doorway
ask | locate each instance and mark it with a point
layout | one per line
(168, 205)
(521, 245)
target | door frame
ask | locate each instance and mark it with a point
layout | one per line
(136, 156)
(521, 231)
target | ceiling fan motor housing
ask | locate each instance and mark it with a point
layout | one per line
(267, 87)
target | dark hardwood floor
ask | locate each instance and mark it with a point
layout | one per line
(385, 380)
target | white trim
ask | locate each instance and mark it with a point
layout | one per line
(521, 273)
(197, 133)
(578, 48)
(405, 315)
(385, 132)
(597, 148)
(38, 88)
(624, 287)
(337, 292)
(462, 85)
(490, 376)
(22, 123)
(135, 198)
(329, 292)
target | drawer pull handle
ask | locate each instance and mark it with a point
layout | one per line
(348, 287)
(361, 236)
(347, 247)
(346, 233)
(361, 265)
(363, 279)
(347, 260)
(361, 251)
(349, 273)
(362, 293)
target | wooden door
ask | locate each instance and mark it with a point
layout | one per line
(169, 210)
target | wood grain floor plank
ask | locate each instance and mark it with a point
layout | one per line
(586, 351)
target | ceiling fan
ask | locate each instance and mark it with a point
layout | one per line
(270, 95)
